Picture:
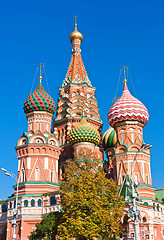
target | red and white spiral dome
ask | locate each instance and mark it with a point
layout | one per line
(127, 108)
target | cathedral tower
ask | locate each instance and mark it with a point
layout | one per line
(38, 152)
(76, 98)
(127, 117)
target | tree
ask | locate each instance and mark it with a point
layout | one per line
(47, 228)
(91, 205)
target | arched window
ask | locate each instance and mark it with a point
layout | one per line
(4, 208)
(144, 219)
(25, 203)
(154, 206)
(32, 203)
(39, 202)
(157, 207)
(145, 203)
(52, 201)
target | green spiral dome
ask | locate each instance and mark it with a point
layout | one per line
(109, 138)
(84, 133)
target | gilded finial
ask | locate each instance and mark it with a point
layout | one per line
(40, 77)
(125, 81)
(75, 17)
(75, 34)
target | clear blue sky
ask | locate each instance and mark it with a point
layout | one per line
(116, 33)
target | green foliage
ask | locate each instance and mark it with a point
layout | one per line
(92, 208)
(90, 203)
(47, 228)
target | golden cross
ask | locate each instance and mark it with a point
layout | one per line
(124, 74)
(75, 17)
(40, 65)
(114, 99)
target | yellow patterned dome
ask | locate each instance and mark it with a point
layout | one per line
(84, 133)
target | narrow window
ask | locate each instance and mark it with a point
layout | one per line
(51, 177)
(52, 201)
(32, 203)
(23, 175)
(158, 207)
(39, 126)
(39, 202)
(25, 203)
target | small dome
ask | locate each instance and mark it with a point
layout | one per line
(84, 132)
(109, 138)
(39, 100)
(75, 34)
(128, 108)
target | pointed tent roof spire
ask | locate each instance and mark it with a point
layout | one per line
(76, 72)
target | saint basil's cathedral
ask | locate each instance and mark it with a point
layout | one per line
(42, 152)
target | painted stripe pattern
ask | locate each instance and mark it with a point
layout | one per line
(126, 108)
(109, 138)
(39, 100)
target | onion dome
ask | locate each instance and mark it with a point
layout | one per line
(109, 138)
(75, 34)
(127, 108)
(39, 100)
(84, 132)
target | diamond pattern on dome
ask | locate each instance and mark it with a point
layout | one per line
(84, 133)
(126, 108)
(39, 100)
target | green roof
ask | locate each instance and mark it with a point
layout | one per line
(159, 195)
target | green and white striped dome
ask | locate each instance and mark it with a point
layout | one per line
(109, 138)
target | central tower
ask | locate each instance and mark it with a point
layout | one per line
(76, 99)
